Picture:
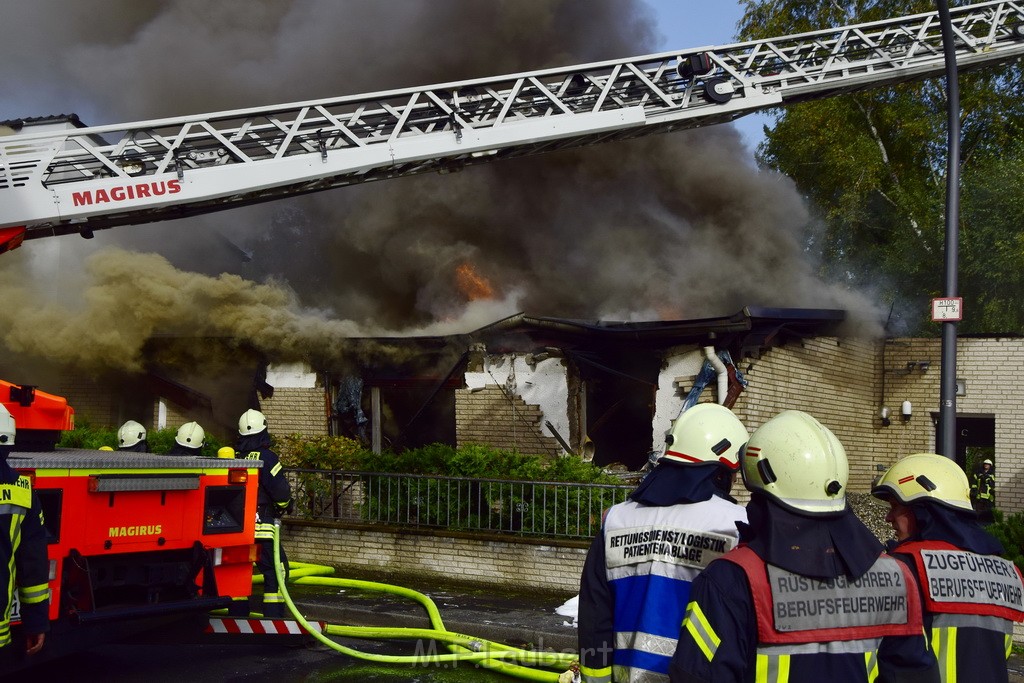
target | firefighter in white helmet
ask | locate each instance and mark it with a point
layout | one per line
(24, 566)
(273, 501)
(188, 440)
(637, 575)
(983, 491)
(971, 596)
(131, 437)
(809, 595)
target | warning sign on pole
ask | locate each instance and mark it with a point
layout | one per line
(947, 310)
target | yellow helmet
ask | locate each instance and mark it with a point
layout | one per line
(106, 448)
(795, 460)
(924, 477)
(226, 452)
(706, 433)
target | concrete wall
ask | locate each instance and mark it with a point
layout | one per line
(446, 556)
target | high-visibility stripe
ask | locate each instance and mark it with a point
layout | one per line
(944, 646)
(771, 669)
(602, 675)
(871, 664)
(31, 595)
(698, 627)
(1009, 645)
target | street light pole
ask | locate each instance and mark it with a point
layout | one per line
(946, 438)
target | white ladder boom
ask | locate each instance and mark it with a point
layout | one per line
(92, 178)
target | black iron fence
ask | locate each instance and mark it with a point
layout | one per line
(529, 508)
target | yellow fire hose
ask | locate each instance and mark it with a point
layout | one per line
(496, 656)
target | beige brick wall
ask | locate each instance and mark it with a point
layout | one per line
(297, 411)
(94, 401)
(434, 554)
(489, 416)
(833, 380)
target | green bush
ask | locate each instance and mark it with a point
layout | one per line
(1010, 532)
(86, 436)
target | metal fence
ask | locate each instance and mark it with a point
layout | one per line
(529, 508)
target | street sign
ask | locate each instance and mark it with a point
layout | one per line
(947, 310)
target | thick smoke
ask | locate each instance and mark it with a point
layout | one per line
(675, 226)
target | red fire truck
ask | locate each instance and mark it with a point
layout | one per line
(136, 540)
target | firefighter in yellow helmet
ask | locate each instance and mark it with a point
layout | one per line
(272, 501)
(971, 595)
(25, 567)
(639, 568)
(809, 595)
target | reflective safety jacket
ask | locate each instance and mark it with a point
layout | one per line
(753, 622)
(274, 492)
(970, 602)
(636, 583)
(983, 486)
(23, 548)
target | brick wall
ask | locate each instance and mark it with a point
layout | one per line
(94, 401)
(490, 416)
(297, 411)
(440, 555)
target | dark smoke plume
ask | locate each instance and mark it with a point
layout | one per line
(675, 226)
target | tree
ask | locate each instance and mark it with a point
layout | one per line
(872, 165)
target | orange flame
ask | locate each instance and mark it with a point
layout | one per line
(472, 284)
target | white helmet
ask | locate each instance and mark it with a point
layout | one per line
(251, 422)
(924, 477)
(795, 460)
(706, 433)
(190, 435)
(130, 433)
(7, 429)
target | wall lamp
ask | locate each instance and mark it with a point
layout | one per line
(884, 414)
(906, 410)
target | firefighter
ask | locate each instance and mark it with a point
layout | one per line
(132, 437)
(983, 491)
(808, 595)
(25, 567)
(188, 440)
(273, 500)
(971, 595)
(636, 578)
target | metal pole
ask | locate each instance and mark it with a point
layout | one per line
(946, 437)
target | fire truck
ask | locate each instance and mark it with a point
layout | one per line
(143, 536)
(135, 540)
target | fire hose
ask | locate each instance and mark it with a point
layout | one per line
(463, 648)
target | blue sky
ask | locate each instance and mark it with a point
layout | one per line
(696, 23)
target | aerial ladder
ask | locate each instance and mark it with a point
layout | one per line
(85, 179)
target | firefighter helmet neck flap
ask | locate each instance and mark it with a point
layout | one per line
(190, 435)
(251, 422)
(797, 462)
(926, 477)
(130, 433)
(703, 434)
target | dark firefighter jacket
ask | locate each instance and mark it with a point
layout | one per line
(971, 596)
(23, 547)
(274, 490)
(983, 486)
(720, 640)
(637, 575)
